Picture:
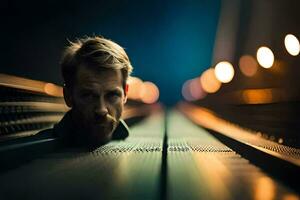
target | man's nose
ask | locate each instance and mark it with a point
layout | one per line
(101, 109)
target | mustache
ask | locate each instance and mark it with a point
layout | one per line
(106, 118)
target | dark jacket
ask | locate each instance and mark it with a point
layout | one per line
(66, 134)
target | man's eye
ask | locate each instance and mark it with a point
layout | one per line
(86, 95)
(113, 95)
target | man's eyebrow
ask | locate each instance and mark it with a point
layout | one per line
(86, 88)
(117, 89)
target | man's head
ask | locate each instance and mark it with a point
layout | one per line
(95, 71)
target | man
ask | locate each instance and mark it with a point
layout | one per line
(95, 71)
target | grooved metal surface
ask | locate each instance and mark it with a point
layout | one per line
(129, 169)
(210, 120)
(201, 167)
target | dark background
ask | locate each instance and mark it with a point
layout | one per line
(168, 42)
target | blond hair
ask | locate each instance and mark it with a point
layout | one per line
(94, 51)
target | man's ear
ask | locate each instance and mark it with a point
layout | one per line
(68, 96)
(126, 93)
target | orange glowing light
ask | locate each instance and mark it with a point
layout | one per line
(248, 65)
(257, 96)
(209, 82)
(224, 71)
(265, 57)
(54, 90)
(290, 197)
(134, 89)
(264, 189)
(149, 93)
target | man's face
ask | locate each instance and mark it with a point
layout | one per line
(97, 99)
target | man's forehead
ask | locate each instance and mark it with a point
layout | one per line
(105, 77)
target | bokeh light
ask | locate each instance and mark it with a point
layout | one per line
(224, 72)
(209, 82)
(264, 189)
(52, 89)
(196, 89)
(192, 90)
(292, 44)
(185, 91)
(134, 89)
(248, 65)
(265, 57)
(149, 93)
(257, 96)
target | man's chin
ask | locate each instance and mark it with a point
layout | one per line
(99, 138)
(102, 140)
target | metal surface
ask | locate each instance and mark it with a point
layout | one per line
(201, 167)
(210, 120)
(172, 160)
(128, 169)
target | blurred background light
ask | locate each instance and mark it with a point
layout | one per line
(292, 44)
(257, 96)
(265, 57)
(196, 89)
(224, 72)
(192, 90)
(185, 91)
(248, 65)
(149, 93)
(134, 89)
(209, 82)
(264, 189)
(52, 89)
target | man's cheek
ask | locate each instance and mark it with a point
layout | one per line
(85, 113)
(116, 111)
(120, 110)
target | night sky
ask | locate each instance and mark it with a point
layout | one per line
(168, 42)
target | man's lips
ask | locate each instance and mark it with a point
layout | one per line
(102, 124)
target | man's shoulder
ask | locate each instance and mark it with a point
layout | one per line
(64, 130)
(46, 133)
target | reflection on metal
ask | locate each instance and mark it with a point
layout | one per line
(264, 189)
(202, 167)
(224, 71)
(292, 44)
(30, 85)
(265, 57)
(217, 172)
(280, 140)
(210, 120)
(248, 65)
(209, 82)
(257, 96)
(290, 197)
(53, 90)
(35, 106)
